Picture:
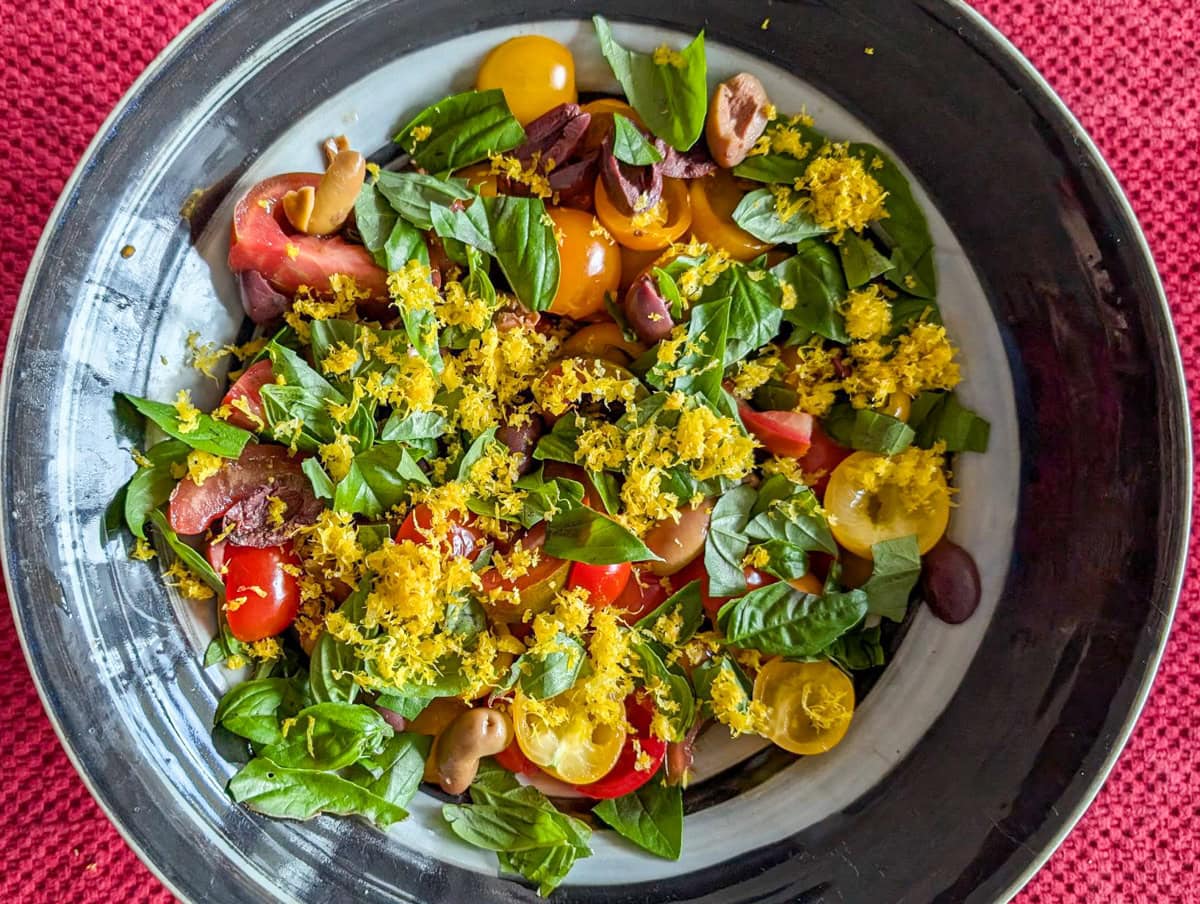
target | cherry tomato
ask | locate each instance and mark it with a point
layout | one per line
(590, 264)
(822, 457)
(714, 199)
(481, 178)
(652, 235)
(270, 597)
(784, 433)
(537, 587)
(861, 518)
(602, 111)
(601, 340)
(248, 388)
(625, 776)
(695, 571)
(809, 704)
(516, 762)
(644, 592)
(635, 263)
(899, 406)
(290, 261)
(460, 540)
(604, 583)
(578, 751)
(535, 73)
(193, 507)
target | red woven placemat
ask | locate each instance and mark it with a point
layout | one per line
(1130, 69)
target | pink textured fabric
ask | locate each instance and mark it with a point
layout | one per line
(1128, 68)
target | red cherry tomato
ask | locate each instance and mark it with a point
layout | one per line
(515, 761)
(270, 596)
(644, 592)
(460, 540)
(193, 507)
(786, 433)
(604, 583)
(822, 457)
(537, 587)
(625, 776)
(263, 241)
(248, 388)
(695, 571)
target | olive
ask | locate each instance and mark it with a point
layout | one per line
(647, 311)
(950, 582)
(678, 542)
(521, 440)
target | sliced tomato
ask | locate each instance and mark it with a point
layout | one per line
(461, 539)
(644, 592)
(248, 389)
(537, 587)
(262, 597)
(604, 583)
(823, 456)
(193, 507)
(786, 433)
(263, 241)
(625, 776)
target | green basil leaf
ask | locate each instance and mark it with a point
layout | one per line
(407, 707)
(543, 499)
(669, 687)
(754, 308)
(195, 562)
(542, 677)
(671, 100)
(151, 486)
(546, 867)
(815, 275)
(463, 129)
(295, 372)
(896, 569)
(874, 431)
(607, 489)
(907, 309)
(210, 435)
(414, 427)
(561, 442)
(392, 241)
(286, 406)
(787, 561)
(252, 709)
(782, 621)
(404, 243)
(857, 650)
(494, 828)
(778, 167)
(726, 544)
(757, 214)
(584, 535)
(861, 262)
(326, 737)
(706, 673)
(703, 358)
(689, 602)
(333, 662)
(274, 790)
(904, 229)
(651, 817)
(794, 518)
(411, 195)
(394, 773)
(322, 483)
(475, 452)
(941, 417)
(630, 146)
(378, 480)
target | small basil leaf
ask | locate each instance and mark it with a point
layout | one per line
(754, 308)
(815, 279)
(411, 195)
(195, 562)
(151, 485)
(726, 544)
(460, 130)
(651, 817)
(861, 262)
(758, 214)
(208, 435)
(782, 621)
(274, 790)
(688, 601)
(584, 535)
(630, 146)
(895, 572)
(857, 650)
(941, 417)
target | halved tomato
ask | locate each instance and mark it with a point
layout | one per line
(264, 241)
(245, 397)
(460, 538)
(604, 583)
(822, 457)
(536, 588)
(582, 749)
(193, 507)
(809, 704)
(644, 592)
(625, 776)
(786, 433)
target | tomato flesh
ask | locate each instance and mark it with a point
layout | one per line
(822, 457)
(604, 583)
(643, 593)
(193, 507)
(625, 777)
(288, 261)
(270, 597)
(247, 392)
(460, 538)
(784, 433)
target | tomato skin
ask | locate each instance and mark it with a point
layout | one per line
(822, 457)
(261, 243)
(591, 264)
(249, 570)
(643, 593)
(784, 433)
(461, 539)
(515, 761)
(650, 237)
(535, 73)
(193, 507)
(248, 387)
(781, 687)
(714, 199)
(537, 587)
(604, 583)
(624, 777)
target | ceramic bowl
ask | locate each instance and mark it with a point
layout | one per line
(980, 744)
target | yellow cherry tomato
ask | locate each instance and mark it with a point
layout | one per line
(580, 750)
(809, 704)
(535, 73)
(898, 405)
(863, 517)
(602, 111)
(808, 583)
(589, 263)
(601, 340)
(714, 199)
(645, 231)
(635, 263)
(481, 178)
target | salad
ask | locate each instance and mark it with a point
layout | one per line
(570, 428)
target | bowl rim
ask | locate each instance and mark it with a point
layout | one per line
(1002, 46)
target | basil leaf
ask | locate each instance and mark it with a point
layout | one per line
(151, 486)
(671, 100)
(669, 687)
(542, 677)
(706, 673)
(274, 790)
(475, 452)
(329, 736)
(584, 535)
(195, 562)
(333, 661)
(904, 229)
(542, 499)
(815, 276)
(378, 480)
(871, 431)
(754, 308)
(941, 417)
(787, 561)
(413, 428)
(630, 146)
(295, 372)
(651, 817)
(395, 773)
(289, 406)
(897, 567)
(857, 650)
(210, 435)
(794, 518)
(411, 195)
(546, 867)
(322, 483)
(726, 544)
(688, 601)
(504, 829)
(252, 709)
(392, 241)
(907, 309)
(860, 261)
(702, 361)
(562, 440)
(407, 707)
(777, 166)
(607, 489)
(757, 214)
(463, 129)
(780, 620)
